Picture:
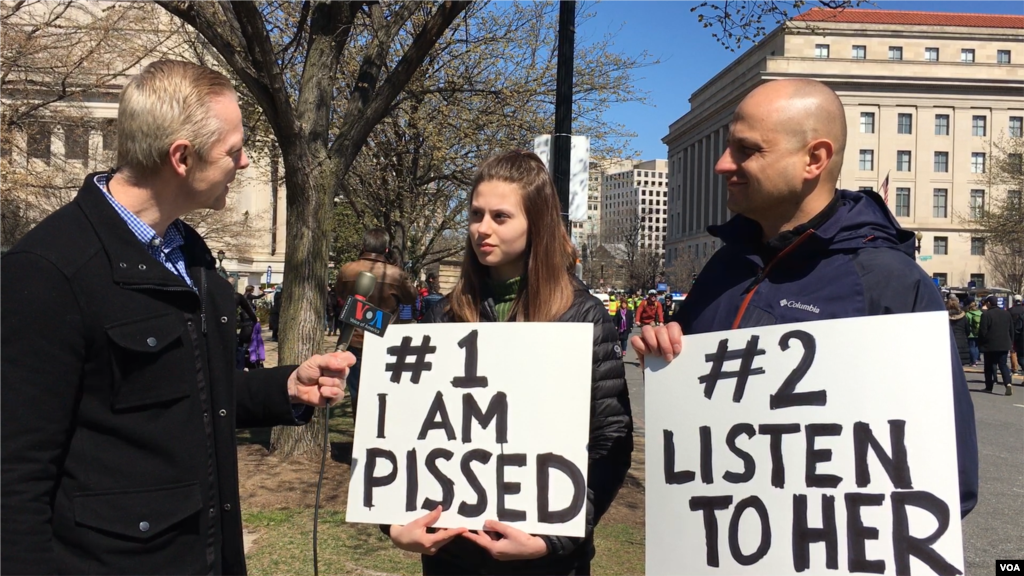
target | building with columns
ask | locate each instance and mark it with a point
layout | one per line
(70, 139)
(926, 95)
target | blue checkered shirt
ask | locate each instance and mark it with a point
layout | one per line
(167, 249)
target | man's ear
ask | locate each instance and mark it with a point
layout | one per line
(819, 155)
(182, 156)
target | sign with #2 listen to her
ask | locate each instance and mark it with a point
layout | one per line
(489, 420)
(812, 448)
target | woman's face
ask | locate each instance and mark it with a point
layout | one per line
(498, 228)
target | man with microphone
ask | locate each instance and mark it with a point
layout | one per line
(120, 398)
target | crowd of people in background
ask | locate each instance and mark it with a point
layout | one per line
(996, 333)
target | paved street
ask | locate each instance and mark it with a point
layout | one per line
(995, 529)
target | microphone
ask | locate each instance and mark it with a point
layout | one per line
(365, 283)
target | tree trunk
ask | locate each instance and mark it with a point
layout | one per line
(302, 318)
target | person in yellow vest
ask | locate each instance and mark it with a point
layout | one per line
(613, 304)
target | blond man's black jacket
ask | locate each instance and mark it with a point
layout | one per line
(120, 403)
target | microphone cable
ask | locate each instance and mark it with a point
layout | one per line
(364, 285)
(319, 484)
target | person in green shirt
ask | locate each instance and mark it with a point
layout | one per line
(518, 268)
(973, 323)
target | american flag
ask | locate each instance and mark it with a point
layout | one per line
(884, 189)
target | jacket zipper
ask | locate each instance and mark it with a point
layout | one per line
(202, 298)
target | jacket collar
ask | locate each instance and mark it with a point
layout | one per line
(373, 256)
(130, 261)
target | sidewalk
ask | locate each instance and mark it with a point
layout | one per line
(1018, 380)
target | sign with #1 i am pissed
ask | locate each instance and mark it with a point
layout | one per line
(819, 447)
(489, 420)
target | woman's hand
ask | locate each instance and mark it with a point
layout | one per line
(413, 537)
(513, 544)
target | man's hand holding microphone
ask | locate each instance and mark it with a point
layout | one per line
(320, 380)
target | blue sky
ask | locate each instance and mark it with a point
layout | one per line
(690, 56)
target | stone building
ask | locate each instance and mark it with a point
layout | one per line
(926, 95)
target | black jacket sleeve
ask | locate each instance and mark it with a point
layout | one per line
(44, 348)
(261, 399)
(611, 425)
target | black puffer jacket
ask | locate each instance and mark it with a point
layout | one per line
(610, 446)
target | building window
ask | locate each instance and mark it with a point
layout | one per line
(895, 52)
(903, 202)
(977, 125)
(821, 50)
(866, 189)
(942, 124)
(859, 52)
(977, 203)
(1016, 126)
(1002, 56)
(1014, 163)
(939, 203)
(109, 130)
(977, 162)
(904, 123)
(941, 162)
(903, 160)
(867, 159)
(38, 140)
(979, 280)
(941, 246)
(76, 142)
(867, 122)
(941, 277)
(977, 246)
(931, 54)
(967, 55)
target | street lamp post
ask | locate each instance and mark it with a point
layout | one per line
(561, 139)
(919, 237)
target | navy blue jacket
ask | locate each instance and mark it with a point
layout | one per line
(859, 262)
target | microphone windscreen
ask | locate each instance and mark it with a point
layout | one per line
(365, 283)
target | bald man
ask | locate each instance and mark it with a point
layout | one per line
(799, 249)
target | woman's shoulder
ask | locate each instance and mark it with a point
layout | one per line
(585, 306)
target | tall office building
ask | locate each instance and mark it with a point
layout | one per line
(635, 194)
(926, 95)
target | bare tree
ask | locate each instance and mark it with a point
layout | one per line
(413, 174)
(736, 22)
(647, 267)
(999, 221)
(56, 58)
(684, 270)
(323, 75)
(1006, 267)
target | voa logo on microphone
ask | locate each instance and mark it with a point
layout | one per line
(794, 304)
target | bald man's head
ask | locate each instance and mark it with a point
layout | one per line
(803, 111)
(785, 149)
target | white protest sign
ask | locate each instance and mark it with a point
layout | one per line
(491, 420)
(805, 448)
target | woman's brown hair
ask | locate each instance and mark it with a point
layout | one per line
(546, 289)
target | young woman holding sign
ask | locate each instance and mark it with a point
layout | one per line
(517, 268)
